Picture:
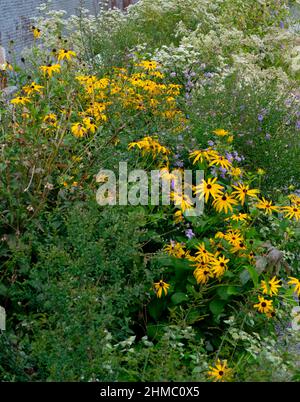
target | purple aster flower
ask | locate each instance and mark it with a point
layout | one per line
(260, 117)
(298, 125)
(179, 163)
(229, 156)
(268, 136)
(223, 172)
(214, 172)
(281, 24)
(173, 74)
(189, 233)
(210, 143)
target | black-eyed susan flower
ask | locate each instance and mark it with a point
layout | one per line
(220, 372)
(161, 287)
(148, 65)
(198, 155)
(224, 202)
(202, 275)
(296, 283)
(20, 100)
(242, 190)
(221, 132)
(271, 287)
(219, 266)
(65, 54)
(78, 130)
(233, 236)
(207, 188)
(238, 246)
(51, 119)
(202, 253)
(33, 87)
(264, 305)
(181, 201)
(240, 217)
(89, 125)
(235, 172)
(267, 206)
(175, 249)
(178, 216)
(219, 160)
(50, 69)
(291, 212)
(36, 32)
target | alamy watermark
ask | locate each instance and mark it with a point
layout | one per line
(158, 187)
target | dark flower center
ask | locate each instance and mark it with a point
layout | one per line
(209, 186)
(206, 272)
(222, 264)
(263, 304)
(221, 372)
(161, 284)
(224, 198)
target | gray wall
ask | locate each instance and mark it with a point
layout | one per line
(15, 17)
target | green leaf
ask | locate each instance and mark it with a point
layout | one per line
(179, 297)
(156, 308)
(217, 307)
(253, 274)
(233, 290)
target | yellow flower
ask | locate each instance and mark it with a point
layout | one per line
(261, 172)
(294, 199)
(219, 160)
(50, 69)
(238, 247)
(242, 190)
(198, 156)
(238, 218)
(267, 206)
(78, 130)
(36, 32)
(89, 125)
(202, 253)
(224, 202)
(51, 119)
(221, 132)
(175, 249)
(233, 237)
(20, 100)
(148, 144)
(296, 283)
(291, 212)
(220, 372)
(271, 287)
(264, 305)
(182, 201)
(202, 275)
(178, 216)
(235, 172)
(148, 65)
(208, 188)
(160, 287)
(219, 266)
(33, 87)
(65, 54)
